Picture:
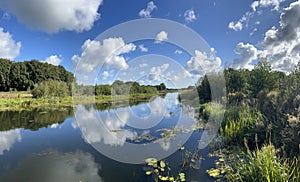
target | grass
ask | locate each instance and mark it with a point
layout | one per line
(239, 122)
(22, 103)
(263, 165)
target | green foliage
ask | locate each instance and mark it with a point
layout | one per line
(103, 90)
(263, 165)
(132, 88)
(243, 122)
(51, 89)
(5, 66)
(22, 76)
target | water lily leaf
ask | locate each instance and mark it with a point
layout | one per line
(213, 172)
(171, 179)
(162, 164)
(151, 162)
(148, 172)
(182, 176)
(221, 159)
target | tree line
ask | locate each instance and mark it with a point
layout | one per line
(23, 76)
(119, 87)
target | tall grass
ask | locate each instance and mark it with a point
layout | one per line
(263, 165)
(240, 122)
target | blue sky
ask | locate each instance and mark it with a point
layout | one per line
(239, 33)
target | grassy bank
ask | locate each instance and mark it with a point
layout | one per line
(18, 101)
(248, 149)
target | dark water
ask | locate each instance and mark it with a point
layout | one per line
(104, 142)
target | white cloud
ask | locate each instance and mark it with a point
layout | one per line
(189, 15)
(9, 48)
(143, 48)
(54, 59)
(161, 36)
(281, 45)
(275, 4)
(157, 73)
(8, 138)
(244, 21)
(248, 53)
(96, 55)
(178, 51)
(146, 13)
(235, 26)
(55, 15)
(202, 63)
(97, 130)
(104, 75)
(143, 65)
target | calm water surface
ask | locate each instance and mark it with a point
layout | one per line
(104, 142)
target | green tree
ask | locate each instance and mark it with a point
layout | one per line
(5, 66)
(51, 88)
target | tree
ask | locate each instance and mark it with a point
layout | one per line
(204, 90)
(5, 66)
(261, 78)
(51, 88)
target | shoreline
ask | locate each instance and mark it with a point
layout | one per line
(28, 103)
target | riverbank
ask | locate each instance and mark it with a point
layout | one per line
(23, 101)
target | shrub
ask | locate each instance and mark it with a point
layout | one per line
(51, 88)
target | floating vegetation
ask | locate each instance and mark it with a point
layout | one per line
(143, 138)
(161, 171)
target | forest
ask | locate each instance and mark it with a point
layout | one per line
(23, 76)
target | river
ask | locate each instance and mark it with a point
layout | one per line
(106, 142)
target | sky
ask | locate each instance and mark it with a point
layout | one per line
(168, 41)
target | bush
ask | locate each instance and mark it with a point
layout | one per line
(51, 88)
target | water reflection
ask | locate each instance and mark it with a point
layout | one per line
(8, 138)
(131, 134)
(33, 119)
(51, 166)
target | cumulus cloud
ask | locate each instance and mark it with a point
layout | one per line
(235, 26)
(54, 59)
(55, 15)
(161, 36)
(9, 48)
(202, 63)
(8, 138)
(157, 73)
(189, 15)
(104, 75)
(247, 53)
(143, 48)
(146, 13)
(281, 45)
(275, 4)
(108, 54)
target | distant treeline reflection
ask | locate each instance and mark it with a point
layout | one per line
(33, 119)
